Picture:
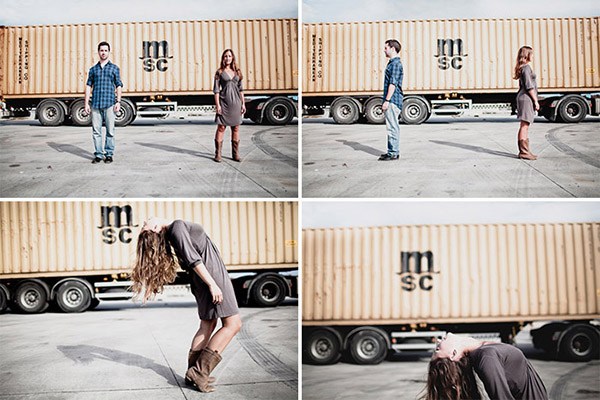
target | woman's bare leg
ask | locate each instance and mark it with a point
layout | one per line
(523, 131)
(235, 133)
(202, 336)
(220, 133)
(220, 340)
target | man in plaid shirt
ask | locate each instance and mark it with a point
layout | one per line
(104, 79)
(392, 99)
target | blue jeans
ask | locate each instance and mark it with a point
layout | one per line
(393, 129)
(106, 115)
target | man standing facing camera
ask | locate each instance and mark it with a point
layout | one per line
(103, 85)
(392, 99)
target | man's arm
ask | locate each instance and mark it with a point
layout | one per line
(390, 93)
(88, 94)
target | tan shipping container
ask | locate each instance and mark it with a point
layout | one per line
(439, 274)
(43, 239)
(170, 57)
(459, 55)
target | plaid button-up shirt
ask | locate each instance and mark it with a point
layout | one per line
(393, 75)
(104, 82)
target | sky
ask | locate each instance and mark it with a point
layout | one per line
(321, 214)
(48, 12)
(378, 10)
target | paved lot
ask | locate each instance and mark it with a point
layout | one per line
(447, 157)
(404, 376)
(124, 351)
(153, 158)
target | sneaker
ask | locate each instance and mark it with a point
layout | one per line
(96, 160)
(108, 160)
(389, 157)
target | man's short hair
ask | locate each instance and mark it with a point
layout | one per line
(394, 43)
(103, 44)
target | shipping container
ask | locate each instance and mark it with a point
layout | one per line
(449, 65)
(402, 284)
(46, 245)
(165, 66)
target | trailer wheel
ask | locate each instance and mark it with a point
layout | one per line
(572, 110)
(73, 297)
(126, 115)
(51, 112)
(31, 297)
(323, 348)
(344, 111)
(414, 111)
(78, 115)
(279, 111)
(3, 299)
(373, 112)
(579, 343)
(368, 347)
(268, 291)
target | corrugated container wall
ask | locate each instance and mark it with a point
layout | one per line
(439, 56)
(179, 57)
(51, 238)
(450, 273)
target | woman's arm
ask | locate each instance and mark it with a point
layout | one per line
(215, 290)
(216, 90)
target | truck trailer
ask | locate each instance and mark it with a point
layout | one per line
(451, 67)
(372, 290)
(73, 254)
(167, 68)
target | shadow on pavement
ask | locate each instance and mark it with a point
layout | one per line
(361, 147)
(177, 150)
(477, 149)
(69, 148)
(86, 354)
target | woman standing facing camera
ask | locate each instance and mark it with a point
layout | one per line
(156, 266)
(503, 369)
(527, 101)
(229, 99)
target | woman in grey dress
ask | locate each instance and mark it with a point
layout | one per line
(195, 253)
(231, 107)
(527, 101)
(505, 372)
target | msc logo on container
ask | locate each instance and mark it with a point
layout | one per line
(155, 55)
(416, 277)
(119, 226)
(450, 53)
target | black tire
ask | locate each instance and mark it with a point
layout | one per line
(126, 115)
(268, 291)
(93, 304)
(368, 347)
(279, 111)
(572, 110)
(73, 297)
(580, 343)
(31, 297)
(51, 112)
(373, 112)
(345, 111)
(78, 115)
(3, 299)
(414, 111)
(322, 348)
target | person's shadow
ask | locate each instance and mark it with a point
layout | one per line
(71, 149)
(360, 147)
(477, 149)
(86, 354)
(174, 149)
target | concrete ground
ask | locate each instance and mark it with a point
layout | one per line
(451, 157)
(125, 351)
(153, 158)
(404, 376)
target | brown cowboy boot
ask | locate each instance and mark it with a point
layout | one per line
(235, 149)
(192, 358)
(524, 152)
(200, 372)
(218, 147)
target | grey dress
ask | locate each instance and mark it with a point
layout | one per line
(230, 97)
(506, 373)
(525, 107)
(193, 246)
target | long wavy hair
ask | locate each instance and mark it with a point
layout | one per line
(234, 66)
(451, 380)
(523, 57)
(155, 264)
